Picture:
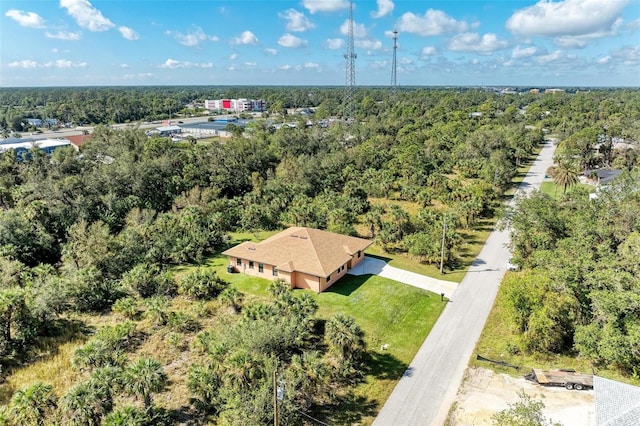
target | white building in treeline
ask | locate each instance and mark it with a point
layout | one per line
(235, 105)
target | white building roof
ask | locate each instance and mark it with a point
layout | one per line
(42, 144)
(168, 129)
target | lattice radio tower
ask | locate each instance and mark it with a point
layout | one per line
(394, 81)
(350, 56)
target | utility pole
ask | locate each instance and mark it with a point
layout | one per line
(350, 56)
(275, 398)
(444, 232)
(394, 82)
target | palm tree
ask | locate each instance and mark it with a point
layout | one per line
(143, 377)
(345, 337)
(565, 175)
(127, 416)
(86, 403)
(32, 404)
(232, 298)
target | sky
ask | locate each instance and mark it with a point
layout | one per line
(541, 43)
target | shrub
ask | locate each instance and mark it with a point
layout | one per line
(127, 307)
(183, 322)
(203, 283)
(148, 280)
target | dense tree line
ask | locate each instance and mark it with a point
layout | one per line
(579, 289)
(101, 229)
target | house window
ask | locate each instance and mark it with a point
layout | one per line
(329, 278)
(275, 271)
(239, 262)
(260, 267)
(251, 264)
(359, 253)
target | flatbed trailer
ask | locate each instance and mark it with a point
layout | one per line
(568, 379)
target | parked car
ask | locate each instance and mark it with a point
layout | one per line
(512, 266)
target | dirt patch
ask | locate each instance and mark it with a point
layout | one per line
(484, 392)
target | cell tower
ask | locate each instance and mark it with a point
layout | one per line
(394, 81)
(350, 56)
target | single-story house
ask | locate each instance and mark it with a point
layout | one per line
(303, 257)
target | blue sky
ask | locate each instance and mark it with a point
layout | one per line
(257, 42)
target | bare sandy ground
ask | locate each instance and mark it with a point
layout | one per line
(484, 393)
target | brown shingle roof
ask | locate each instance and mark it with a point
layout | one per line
(307, 250)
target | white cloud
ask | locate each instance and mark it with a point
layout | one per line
(334, 43)
(285, 67)
(634, 25)
(296, 21)
(405, 61)
(580, 41)
(60, 63)
(192, 38)
(233, 56)
(247, 37)
(141, 75)
(566, 18)
(86, 16)
(170, 63)
(604, 60)
(250, 64)
(173, 64)
(314, 6)
(551, 57)
(472, 42)
(359, 30)
(25, 63)
(312, 66)
(368, 44)
(128, 33)
(385, 7)
(434, 22)
(125, 66)
(378, 65)
(26, 19)
(518, 53)
(627, 55)
(63, 35)
(289, 40)
(429, 51)
(271, 51)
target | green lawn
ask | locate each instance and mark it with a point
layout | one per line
(389, 312)
(557, 192)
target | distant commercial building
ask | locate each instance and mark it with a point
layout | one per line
(236, 105)
(48, 122)
(21, 146)
(212, 128)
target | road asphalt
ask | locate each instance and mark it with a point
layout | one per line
(428, 387)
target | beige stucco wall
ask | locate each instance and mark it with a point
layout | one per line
(335, 276)
(355, 259)
(267, 272)
(296, 279)
(311, 282)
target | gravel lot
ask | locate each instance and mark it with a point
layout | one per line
(484, 393)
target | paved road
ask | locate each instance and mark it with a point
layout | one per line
(371, 265)
(425, 393)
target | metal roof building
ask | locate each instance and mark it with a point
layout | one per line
(24, 145)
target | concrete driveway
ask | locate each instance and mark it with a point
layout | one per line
(375, 266)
